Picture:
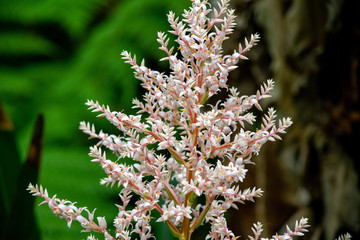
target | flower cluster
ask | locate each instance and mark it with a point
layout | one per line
(300, 228)
(67, 210)
(187, 158)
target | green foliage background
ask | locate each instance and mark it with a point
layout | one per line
(56, 54)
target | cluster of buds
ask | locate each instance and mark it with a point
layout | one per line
(188, 159)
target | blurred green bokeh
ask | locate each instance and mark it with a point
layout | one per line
(56, 54)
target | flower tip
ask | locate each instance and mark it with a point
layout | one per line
(30, 186)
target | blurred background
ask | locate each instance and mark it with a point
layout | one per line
(54, 55)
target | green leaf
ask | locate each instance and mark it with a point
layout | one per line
(22, 203)
(18, 43)
(9, 166)
(74, 16)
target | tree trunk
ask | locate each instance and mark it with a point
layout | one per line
(312, 50)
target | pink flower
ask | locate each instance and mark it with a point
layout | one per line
(182, 151)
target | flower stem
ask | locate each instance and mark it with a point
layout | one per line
(185, 230)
